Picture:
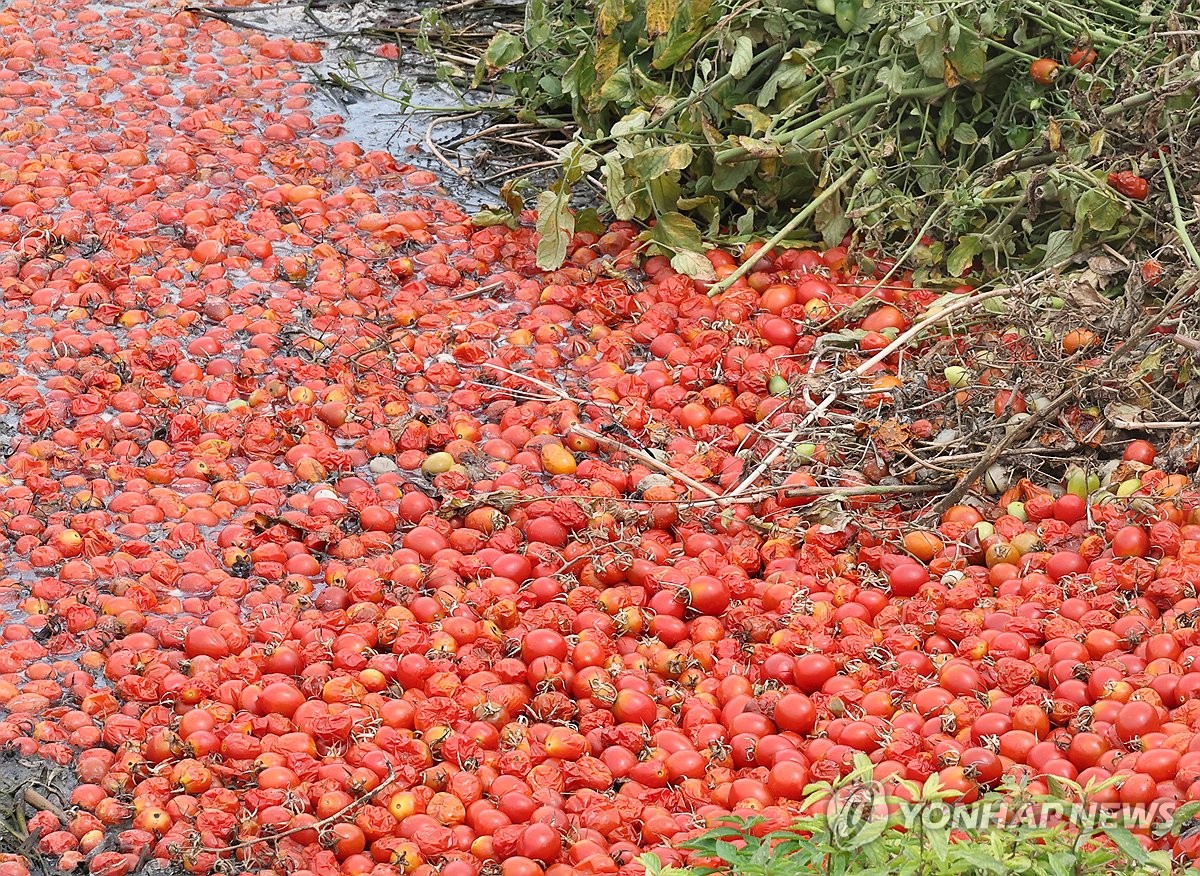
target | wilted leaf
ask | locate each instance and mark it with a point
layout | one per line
(743, 55)
(759, 121)
(609, 14)
(511, 195)
(1098, 211)
(556, 225)
(693, 264)
(962, 256)
(489, 218)
(504, 49)
(652, 163)
(618, 87)
(830, 219)
(946, 119)
(894, 78)
(967, 54)
(1054, 135)
(950, 75)
(608, 57)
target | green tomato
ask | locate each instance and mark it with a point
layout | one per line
(1017, 510)
(805, 450)
(826, 7)
(985, 529)
(1077, 482)
(1128, 487)
(957, 376)
(777, 385)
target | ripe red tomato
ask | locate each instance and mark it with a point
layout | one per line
(907, 578)
(1044, 71)
(1082, 58)
(1131, 541)
(811, 671)
(1130, 184)
(795, 712)
(1140, 451)
(884, 317)
(1070, 508)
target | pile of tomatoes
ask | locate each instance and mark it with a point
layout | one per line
(337, 537)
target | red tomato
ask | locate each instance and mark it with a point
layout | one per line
(1130, 541)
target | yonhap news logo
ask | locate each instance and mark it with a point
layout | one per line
(861, 810)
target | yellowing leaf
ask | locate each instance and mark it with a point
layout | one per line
(659, 15)
(609, 15)
(608, 56)
(1054, 135)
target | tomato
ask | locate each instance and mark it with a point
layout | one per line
(811, 671)
(787, 499)
(1129, 184)
(1140, 451)
(1070, 508)
(795, 712)
(1131, 541)
(884, 317)
(777, 297)
(1136, 718)
(708, 595)
(1082, 58)
(780, 331)
(1044, 71)
(1152, 272)
(906, 579)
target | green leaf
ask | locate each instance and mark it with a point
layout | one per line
(962, 256)
(1059, 248)
(894, 78)
(1098, 211)
(1184, 814)
(489, 218)
(727, 852)
(845, 13)
(966, 134)
(676, 232)
(968, 54)
(743, 56)
(727, 177)
(668, 51)
(556, 225)
(652, 163)
(1127, 843)
(979, 860)
(589, 221)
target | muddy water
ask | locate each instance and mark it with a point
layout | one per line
(375, 105)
